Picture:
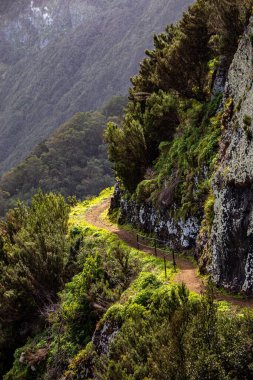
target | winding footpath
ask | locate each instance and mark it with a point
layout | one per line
(187, 270)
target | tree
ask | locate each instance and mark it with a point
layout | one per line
(33, 254)
(127, 150)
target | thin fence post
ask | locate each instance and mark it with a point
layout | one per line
(155, 248)
(138, 245)
(174, 260)
(165, 266)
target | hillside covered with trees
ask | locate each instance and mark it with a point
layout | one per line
(72, 161)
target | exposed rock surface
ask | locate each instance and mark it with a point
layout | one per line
(176, 234)
(232, 233)
(103, 336)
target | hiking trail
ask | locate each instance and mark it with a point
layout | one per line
(187, 270)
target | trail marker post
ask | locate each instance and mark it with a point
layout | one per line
(174, 260)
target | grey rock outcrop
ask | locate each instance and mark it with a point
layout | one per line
(178, 235)
(104, 335)
(232, 232)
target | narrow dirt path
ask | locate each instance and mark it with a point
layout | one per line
(187, 272)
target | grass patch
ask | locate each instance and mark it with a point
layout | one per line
(77, 214)
(77, 221)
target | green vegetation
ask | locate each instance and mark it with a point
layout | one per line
(105, 269)
(170, 334)
(35, 262)
(247, 120)
(181, 176)
(75, 301)
(166, 147)
(72, 161)
(146, 327)
(209, 210)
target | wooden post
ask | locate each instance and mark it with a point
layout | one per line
(165, 266)
(155, 248)
(138, 245)
(174, 260)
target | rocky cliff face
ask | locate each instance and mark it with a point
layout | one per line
(232, 233)
(60, 57)
(180, 234)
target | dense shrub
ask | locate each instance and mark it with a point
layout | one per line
(106, 268)
(166, 333)
(34, 253)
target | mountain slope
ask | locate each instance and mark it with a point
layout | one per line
(72, 161)
(189, 140)
(62, 57)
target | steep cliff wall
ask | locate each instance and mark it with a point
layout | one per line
(180, 234)
(232, 233)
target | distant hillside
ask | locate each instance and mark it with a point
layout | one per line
(61, 57)
(72, 161)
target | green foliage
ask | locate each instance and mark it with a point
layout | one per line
(126, 142)
(107, 269)
(178, 176)
(209, 209)
(247, 120)
(140, 135)
(226, 35)
(172, 106)
(179, 168)
(145, 188)
(159, 121)
(114, 106)
(30, 359)
(160, 331)
(34, 257)
(181, 55)
(172, 335)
